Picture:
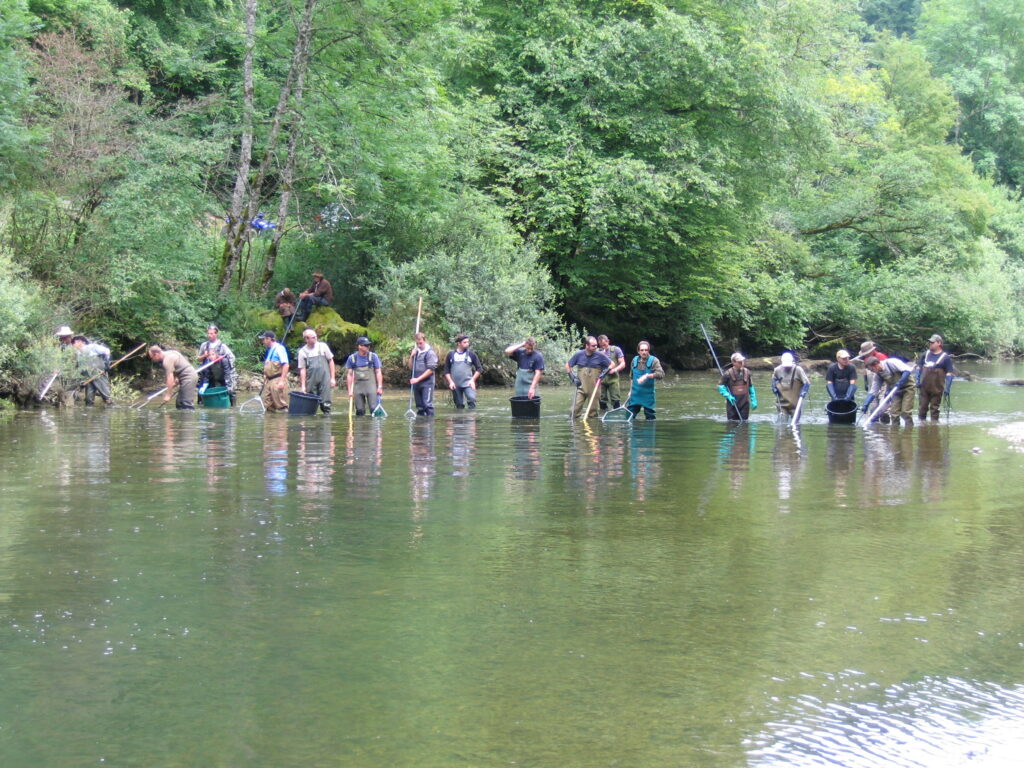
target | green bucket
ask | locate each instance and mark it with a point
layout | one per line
(216, 397)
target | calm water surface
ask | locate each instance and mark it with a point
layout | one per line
(224, 589)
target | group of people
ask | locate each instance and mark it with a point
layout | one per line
(887, 379)
(594, 370)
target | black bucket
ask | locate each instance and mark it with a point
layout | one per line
(525, 407)
(841, 411)
(301, 404)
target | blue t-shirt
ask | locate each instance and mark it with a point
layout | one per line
(355, 360)
(528, 361)
(596, 360)
(276, 353)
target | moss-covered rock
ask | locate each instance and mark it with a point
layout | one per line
(330, 328)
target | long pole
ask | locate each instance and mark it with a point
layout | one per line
(161, 391)
(49, 384)
(410, 412)
(112, 365)
(710, 347)
(796, 412)
(880, 408)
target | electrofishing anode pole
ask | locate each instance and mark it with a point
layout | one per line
(712, 349)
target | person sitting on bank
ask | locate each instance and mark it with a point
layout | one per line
(841, 377)
(275, 373)
(177, 371)
(462, 370)
(789, 383)
(644, 370)
(284, 303)
(529, 366)
(222, 373)
(591, 365)
(364, 377)
(320, 294)
(610, 390)
(934, 377)
(93, 362)
(317, 372)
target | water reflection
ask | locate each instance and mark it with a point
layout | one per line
(364, 452)
(787, 463)
(594, 463)
(314, 465)
(460, 432)
(735, 448)
(644, 466)
(275, 454)
(422, 465)
(840, 460)
(935, 722)
(525, 464)
(933, 461)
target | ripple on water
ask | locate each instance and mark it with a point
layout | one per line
(934, 723)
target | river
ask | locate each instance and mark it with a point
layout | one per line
(225, 589)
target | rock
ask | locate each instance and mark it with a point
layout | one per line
(330, 328)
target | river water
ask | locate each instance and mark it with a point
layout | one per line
(225, 589)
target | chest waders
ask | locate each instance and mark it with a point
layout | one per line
(933, 385)
(274, 399)
(642, 394)
(740, 389)
(462, 374)
(610, 390)
(588, 379)
(364, 385)
(318, 380)
(789, 390)
(524, 378)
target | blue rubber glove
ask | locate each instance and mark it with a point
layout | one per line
(575, 380)
(753, 399)
(831, 390)
(850, 391)
(949, 385)
(724, 392)
(867, 404)
(903, 380)
(917, 378)
(775, 389)
(805, 389)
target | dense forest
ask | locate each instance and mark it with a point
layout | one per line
(791, 173)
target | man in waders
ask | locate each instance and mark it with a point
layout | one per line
(789, 384)
(222, 373)
(644, 370)
(841, 377)
(737, 387)
(317, 372)
(610, 390)
(423, 363)
(177, 371)
(934, 376)
(364, 377)
(462, 369)
(591, 366)
(93, 361)
(895, 374)
(529, 366)
(275, 373)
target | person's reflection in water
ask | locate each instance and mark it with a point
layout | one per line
(933, 461)
(888, 466)
(364, 450)
(275, 456)
(590, 464)
(735, 447)
(422, 468)
(787, 463)
(841, 440)
(218, 436)
(314, 466)
(460, 432)
(526, 463)
(644, 467)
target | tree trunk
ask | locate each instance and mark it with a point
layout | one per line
(238, 227)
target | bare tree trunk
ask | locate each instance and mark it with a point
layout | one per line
(302, 47)
(238, 228)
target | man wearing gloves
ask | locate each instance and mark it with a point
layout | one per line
(737, 388)
(934, 376)
(841, 377)
(895, 374)
(789, 384)
(591, 366)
